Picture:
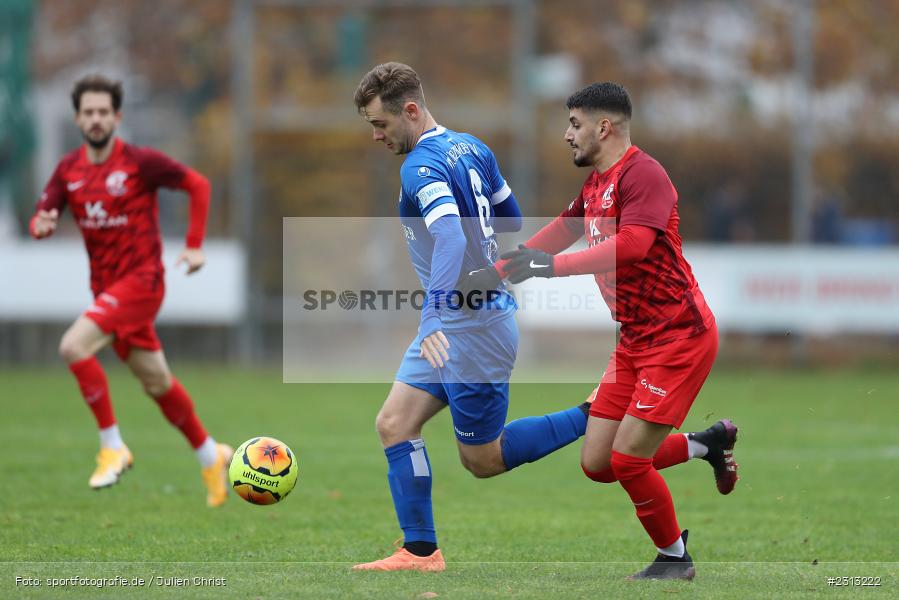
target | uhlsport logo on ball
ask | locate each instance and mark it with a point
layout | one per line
(348, 300)
(263, 470)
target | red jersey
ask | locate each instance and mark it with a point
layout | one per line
(656, 299)
(114, 205)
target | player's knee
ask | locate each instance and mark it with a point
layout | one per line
(483, 467)
(392, 428)
(626, 467)
(71, 350)
(156, 384)
(603, 475)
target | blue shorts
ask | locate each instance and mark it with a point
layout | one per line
(475, 380)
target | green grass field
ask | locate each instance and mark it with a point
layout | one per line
(819, 496)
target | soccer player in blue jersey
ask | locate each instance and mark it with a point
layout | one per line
(452, 193)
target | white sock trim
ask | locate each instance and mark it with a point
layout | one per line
(207, 452)
(696, 449)
(111, 438)
(676, 549)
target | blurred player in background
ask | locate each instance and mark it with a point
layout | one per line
(627, 209)
(110, 187)
(452, 193)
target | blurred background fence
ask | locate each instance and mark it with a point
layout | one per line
(777, 122)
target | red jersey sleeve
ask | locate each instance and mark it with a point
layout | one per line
(563, 231)
(631, 244)
(647, 196)
(54, 195)
(161, 171)
(158, 170)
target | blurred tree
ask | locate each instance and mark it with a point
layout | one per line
(16, 131)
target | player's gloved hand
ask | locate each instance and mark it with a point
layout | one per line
(525, 263)
(478, 287)
(479, 280)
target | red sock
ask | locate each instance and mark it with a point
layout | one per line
(650, 496)
(672, 451)
(178, 408)
(94, 389)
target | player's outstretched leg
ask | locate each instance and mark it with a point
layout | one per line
(77, 347)
(178, 408)
(716, 446)
(529, 439)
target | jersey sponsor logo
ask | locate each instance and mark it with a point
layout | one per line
(74, 185)
(431, 192)
(115, 183)
(424, 171)
(98, 218)
(95, 210)
(653, 389)
(607, 197)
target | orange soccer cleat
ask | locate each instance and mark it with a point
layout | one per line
(111, 463)
(403, 560)
(215, 476)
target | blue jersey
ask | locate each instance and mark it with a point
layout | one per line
(451, 173)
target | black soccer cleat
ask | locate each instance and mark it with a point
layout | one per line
(669, 567)
(720, 439)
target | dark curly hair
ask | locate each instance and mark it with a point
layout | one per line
(98, 83)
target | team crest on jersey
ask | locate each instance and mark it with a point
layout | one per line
(115, 183)
(607, 197)
(424, 171)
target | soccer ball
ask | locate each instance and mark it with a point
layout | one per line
(263, 470)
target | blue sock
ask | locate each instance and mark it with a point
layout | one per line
(409, 474)
(532, 438)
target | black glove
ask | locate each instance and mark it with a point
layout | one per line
(478, 287)
(525, 263)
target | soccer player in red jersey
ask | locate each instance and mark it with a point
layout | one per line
(110, 187)
(627, 209)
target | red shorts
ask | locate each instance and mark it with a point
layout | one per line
(127, 309)
(656, 384)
